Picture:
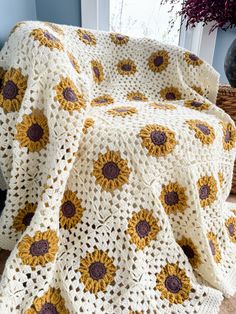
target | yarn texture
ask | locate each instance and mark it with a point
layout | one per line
(118, 165)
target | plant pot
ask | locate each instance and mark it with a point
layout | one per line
(230, 64)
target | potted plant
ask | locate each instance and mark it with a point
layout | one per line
(222, 14)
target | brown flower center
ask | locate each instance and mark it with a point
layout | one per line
(173, 284)
(193, 57)
(68, 209)
(204, 191)
(227, 136)
(196, 104)
(10, 90)
(126, 67)
(188, 251)
(158, 61)
(101, 101)
(97, 270)
(170, 95)
(121, 109)
(35, 132)
(110, 170)
(69, 94)
(231, 229)
(137, 98)
(171, 198)
(27, 219)
(50, 36)
(40, 247)
(212, 247)
(87, 37)
(48, 308)
(120, 37)
(158, 137)
(143, 228)
(203, 128)
(96, 72)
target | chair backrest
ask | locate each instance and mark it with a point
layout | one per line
(130, 68)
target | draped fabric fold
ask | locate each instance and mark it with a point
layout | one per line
(118, 165)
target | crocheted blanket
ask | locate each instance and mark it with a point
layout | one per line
(118, 165)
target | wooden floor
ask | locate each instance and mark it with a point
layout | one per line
(228, 306)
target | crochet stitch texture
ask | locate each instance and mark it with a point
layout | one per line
(118, 166)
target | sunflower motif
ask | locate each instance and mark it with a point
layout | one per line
(173, 198)
(102, 100)
(190, 251)
(111, 171)
(203, 131)
(24, 216)
(33, 131)
(158, 61)
(233, 211)
(142, 228)
(119, 39)
(122, 111)
(197, 105)
(192, 59)
(221, 178)
(162, 106)
(231, 228)
(126, 67)
(71, 210)
(136, 96)
(15, 27)
(229, 136)
(88, 123)
(68, 95)
(13, 89)
(73, 62)
(98, 73)
(173, 284)
(55, 28)
(47, 39)
(157, 139)
(207, 190)
(86, 37)
(170, 93)
(39, 249)
(197, 89)
(214, 246)
(50, 303)
(2, 74)
(97, 271)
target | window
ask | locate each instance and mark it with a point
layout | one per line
(147, 18)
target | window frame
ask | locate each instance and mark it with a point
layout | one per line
(199, 40)
(95, 15)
